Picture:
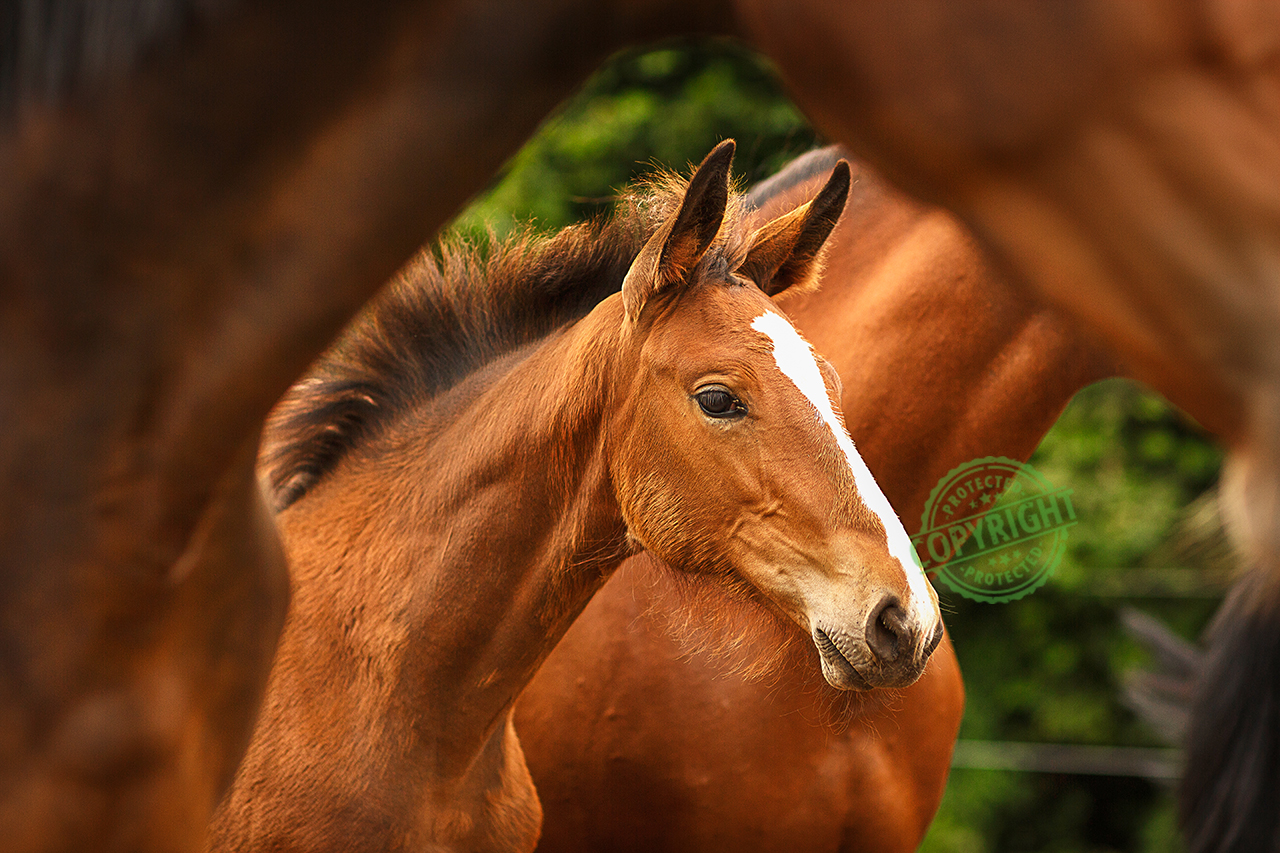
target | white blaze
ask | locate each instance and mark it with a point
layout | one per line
(797, 362)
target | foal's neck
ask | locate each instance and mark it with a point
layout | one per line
(458, 548)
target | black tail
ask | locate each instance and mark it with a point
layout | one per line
(1230, 797)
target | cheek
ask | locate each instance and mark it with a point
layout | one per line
(686, 498)
(654, 515)
(687, 534)
(694, 487)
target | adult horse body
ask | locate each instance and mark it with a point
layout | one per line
(638, 740)
(194, 199)
(1124, 161)
(450, 507)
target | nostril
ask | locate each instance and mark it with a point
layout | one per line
(933, 641)
(887, 629)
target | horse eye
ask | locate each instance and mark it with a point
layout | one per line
(718, 402)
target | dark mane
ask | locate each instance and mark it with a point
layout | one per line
(49, 48)
(443, 317)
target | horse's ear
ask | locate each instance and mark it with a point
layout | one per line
(785, 251)
(680, 243)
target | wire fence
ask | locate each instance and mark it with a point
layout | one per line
(1160, 764)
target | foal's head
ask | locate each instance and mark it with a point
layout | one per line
(729, 454)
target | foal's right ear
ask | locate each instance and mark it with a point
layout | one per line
(676, 247)
(786, 252)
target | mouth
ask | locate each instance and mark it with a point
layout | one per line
(836, 668)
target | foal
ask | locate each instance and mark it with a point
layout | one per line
(468, 465)
(638, 743)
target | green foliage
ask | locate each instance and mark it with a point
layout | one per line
(1047, 668)
(666, 107)
(1050, 668)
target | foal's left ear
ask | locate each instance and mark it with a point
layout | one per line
(680, 243)
(784, 252)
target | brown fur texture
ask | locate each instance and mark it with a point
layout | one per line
(447, 315)
(195, 198)
(179, 243)
(641, 712)
(448, 542)
(1123, 161)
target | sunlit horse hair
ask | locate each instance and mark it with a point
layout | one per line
(447, 315)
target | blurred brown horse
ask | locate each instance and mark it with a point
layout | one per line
(471, 462)
(1123, 160)
(638, 743)
(195, 195)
